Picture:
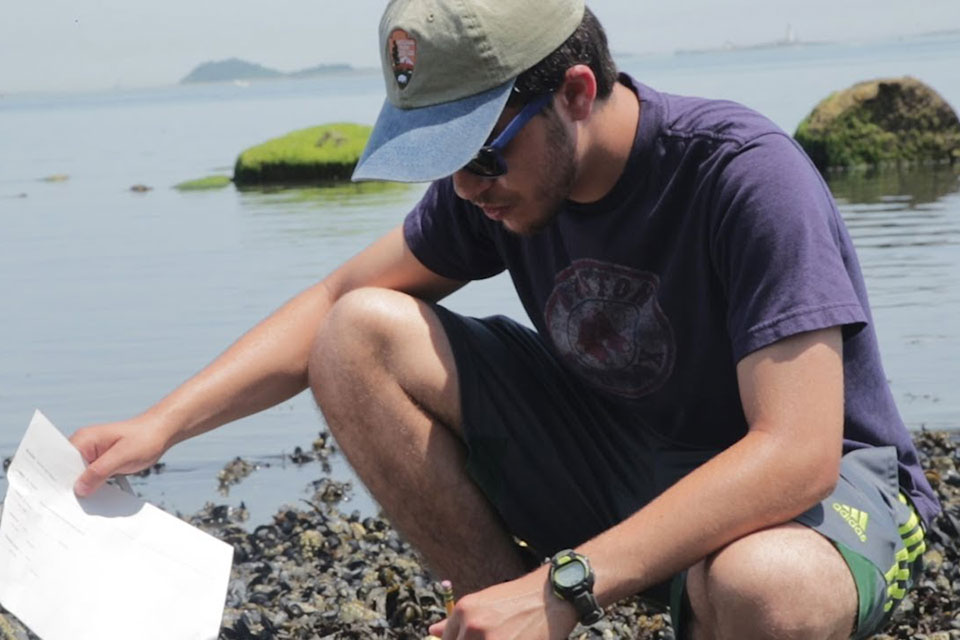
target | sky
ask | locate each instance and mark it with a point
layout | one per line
(79, 45)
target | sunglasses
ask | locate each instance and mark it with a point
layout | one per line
(489, 162)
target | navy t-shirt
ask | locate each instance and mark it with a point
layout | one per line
(719, 238)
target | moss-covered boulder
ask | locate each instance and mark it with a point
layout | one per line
(326, 153)
(881, 122)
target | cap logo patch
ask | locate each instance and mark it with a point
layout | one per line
(402, 49)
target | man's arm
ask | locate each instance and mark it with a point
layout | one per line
(792, 395)
(263, 368)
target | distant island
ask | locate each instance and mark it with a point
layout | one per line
(789, 40)
(235, 69)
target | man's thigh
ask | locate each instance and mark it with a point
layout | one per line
(561, 462)
(553, 457)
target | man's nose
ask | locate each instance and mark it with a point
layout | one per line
(469, 185)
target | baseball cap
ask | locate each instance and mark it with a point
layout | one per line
(449, 67)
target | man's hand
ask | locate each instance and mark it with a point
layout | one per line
(522, 608)
(117, 447)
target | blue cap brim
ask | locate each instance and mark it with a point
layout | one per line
(429, 143)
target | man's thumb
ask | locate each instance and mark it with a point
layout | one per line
(93, 476)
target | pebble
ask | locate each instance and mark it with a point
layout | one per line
(157, 468)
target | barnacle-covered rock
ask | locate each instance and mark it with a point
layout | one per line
(892, 121)
(234, 471)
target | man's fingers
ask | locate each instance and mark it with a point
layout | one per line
(87, 443)
(88, 450)
(98, 472)
(436, 630)
(88, 482)
(446, 628)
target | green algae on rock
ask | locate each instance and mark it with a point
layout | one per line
(319, 154)
(201, 184)
(892, 121)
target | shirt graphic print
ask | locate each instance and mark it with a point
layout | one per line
(607, 325)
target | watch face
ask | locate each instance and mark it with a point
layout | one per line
(570, 574)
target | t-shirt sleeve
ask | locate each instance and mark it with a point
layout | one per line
(780, 248)
(450, 236)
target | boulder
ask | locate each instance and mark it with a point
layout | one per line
(323, 154)
(893, 121)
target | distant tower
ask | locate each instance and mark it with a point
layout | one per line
(791, 35)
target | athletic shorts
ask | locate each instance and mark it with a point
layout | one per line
(561, 463)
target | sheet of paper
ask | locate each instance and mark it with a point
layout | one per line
(107, 567)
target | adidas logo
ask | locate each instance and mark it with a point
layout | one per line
(855, 518)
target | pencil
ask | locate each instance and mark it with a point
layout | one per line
(446, 587)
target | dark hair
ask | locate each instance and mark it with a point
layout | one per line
(587, 45)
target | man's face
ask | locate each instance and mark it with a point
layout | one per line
(541, 167)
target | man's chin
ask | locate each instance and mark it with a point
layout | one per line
(524, 231)
(527, 228)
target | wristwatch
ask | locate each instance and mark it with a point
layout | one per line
(572, 580)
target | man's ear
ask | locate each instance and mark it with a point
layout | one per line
(578, 92)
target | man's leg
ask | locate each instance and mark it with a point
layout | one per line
(384, 375)
(784, 582)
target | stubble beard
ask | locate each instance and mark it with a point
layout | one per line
(556, 180)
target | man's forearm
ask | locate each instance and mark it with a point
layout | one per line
(264, 367)
(757, 483)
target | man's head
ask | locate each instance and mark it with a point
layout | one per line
(541, 161)
(452, 67)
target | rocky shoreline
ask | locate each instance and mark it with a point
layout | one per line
(317, 573)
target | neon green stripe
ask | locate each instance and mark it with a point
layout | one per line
(896, 592)
(911, 523)
(888, 606)
(907, 534)
(890, 575)
(914, 539)
(916, 551)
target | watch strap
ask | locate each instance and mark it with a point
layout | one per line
(587, 607)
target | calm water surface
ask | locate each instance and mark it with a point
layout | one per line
(110, 298)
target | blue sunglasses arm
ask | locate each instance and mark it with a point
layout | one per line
(531, 109)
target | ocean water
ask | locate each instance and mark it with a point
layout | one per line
(110, 298)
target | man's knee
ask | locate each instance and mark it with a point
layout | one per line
(784, 582)
(372, 337)
(361, 323)
(358, 316)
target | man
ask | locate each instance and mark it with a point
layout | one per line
(702, 408)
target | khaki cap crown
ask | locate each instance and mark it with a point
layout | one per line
(465, 47)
